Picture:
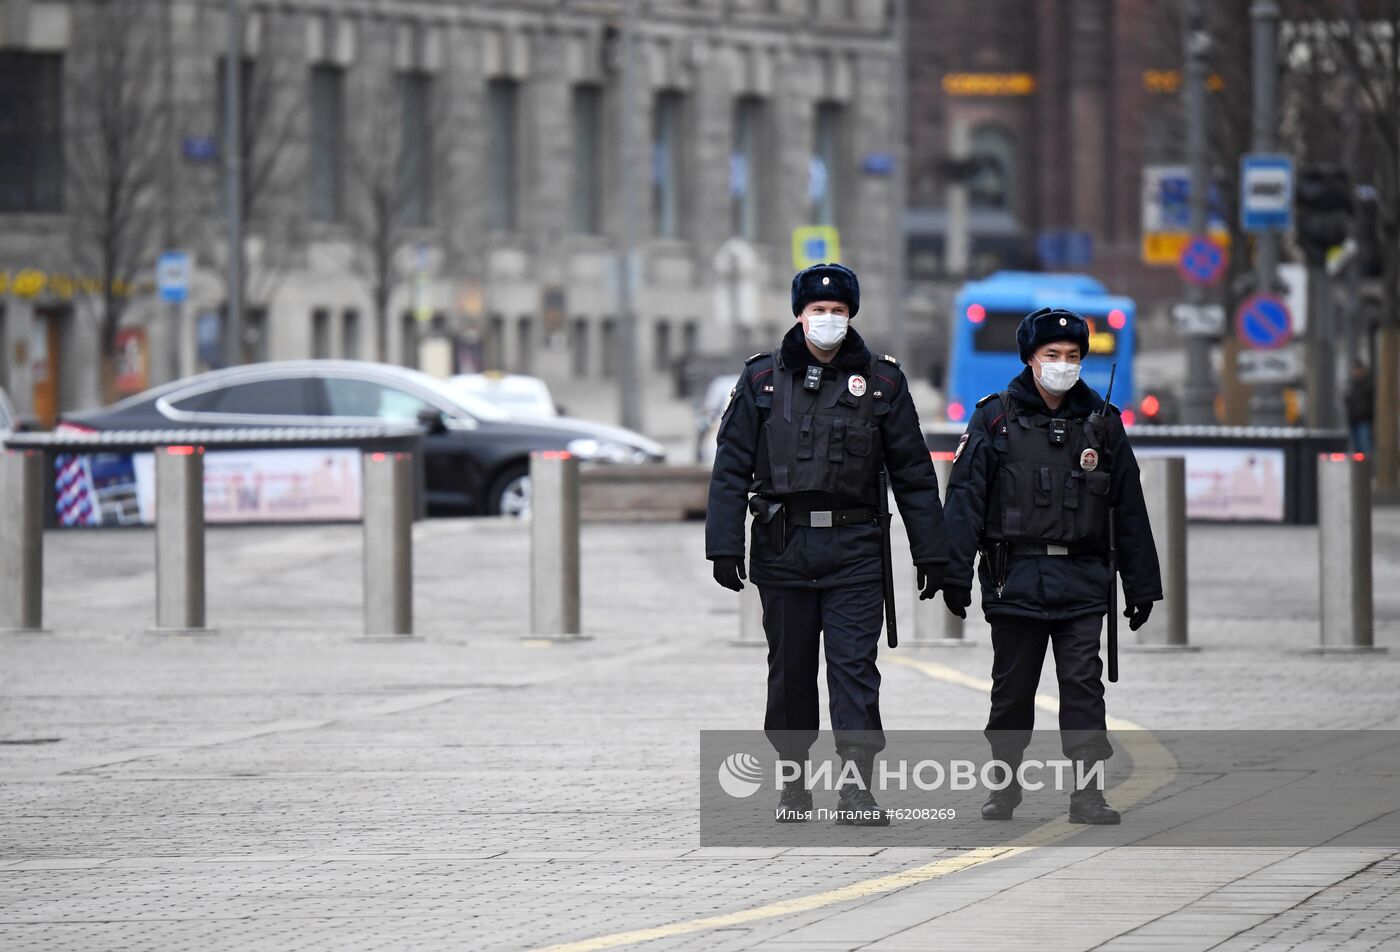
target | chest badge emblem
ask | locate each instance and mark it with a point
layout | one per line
(856, 384)
(1089, 460)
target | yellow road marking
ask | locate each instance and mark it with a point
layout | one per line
(1153, 766)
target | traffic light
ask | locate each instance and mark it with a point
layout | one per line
(1323, 197)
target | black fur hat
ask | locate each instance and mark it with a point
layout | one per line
(1050, 324)
(825, 282)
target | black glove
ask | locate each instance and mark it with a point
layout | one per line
(728, 571)
(1137, 615)
(929, 576)
(957, 599)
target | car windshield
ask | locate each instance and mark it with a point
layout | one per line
(473, 405)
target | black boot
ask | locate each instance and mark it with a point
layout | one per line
(857, 806)
(795, 803)
(1001, 803)
(1087, 805)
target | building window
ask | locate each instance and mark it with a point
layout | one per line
(350, 334)
(31, 132)
(503, 97)
(525, 340)
(690, 338)
(495, 342)
(408, 336)
(327, 141)
(245, 97)
(255, 334)
(415, 148)
(746, 168)
(991, 185)
(661, 344)
(666, 151)
(579, 346)
(607, 347)
(588, 159)
(827, 169)
(320, 333)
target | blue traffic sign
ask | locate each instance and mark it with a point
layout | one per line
(1266, 192)
(1203, 261)
(1263, 322)
(173, 276)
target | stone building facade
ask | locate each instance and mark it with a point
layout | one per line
(491, 131)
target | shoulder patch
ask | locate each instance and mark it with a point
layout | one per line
(758, 356)
(889, 360)
(988, 397)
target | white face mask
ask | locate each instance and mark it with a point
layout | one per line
(827, 331)
(1057, 376)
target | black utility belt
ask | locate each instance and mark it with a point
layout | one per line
(1022, 549)
(827, 518)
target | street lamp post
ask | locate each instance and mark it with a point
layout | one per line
(1266, 405)
(233, 181)
(1197, 397)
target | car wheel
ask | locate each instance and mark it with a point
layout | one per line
(510, 494)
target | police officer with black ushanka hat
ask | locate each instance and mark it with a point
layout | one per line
(1033, 481)
(802, 445)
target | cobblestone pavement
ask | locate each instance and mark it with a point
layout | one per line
(286, 784)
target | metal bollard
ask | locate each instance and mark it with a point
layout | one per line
(1344, 553)
(934, 625)
(554, 550)
(21, 541)
(1164, 490)
(388, 490)
(180, 540)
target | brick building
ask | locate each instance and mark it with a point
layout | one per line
(1064, 102)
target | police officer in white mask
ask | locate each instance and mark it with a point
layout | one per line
(1032, 482)
(808, 429)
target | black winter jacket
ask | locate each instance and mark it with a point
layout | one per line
(821, 557)
(1047, 586)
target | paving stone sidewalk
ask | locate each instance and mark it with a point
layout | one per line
(285, 784)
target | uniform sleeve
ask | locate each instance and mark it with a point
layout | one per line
(1137, 552)
(966, 508)
(912, 477)
(732, 474)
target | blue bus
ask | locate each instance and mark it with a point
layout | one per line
(986, 314)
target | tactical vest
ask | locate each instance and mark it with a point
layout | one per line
(824, 441)
(1051, 490)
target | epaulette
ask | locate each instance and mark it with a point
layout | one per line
(989, 396)
(889, 360)
(1114, 408)
(761, 354)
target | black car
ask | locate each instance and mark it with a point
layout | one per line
(476, 457)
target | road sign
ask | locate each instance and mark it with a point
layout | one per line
(173, 276)
(1166, 214)
(1203, 261)
(1199, 320)
(1269, 366)
(1266, 192)
(1263, 322)
(815, 244)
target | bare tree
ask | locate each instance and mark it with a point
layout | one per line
(398, 154)
(272, 115)
(113, 151)
(1366, 45)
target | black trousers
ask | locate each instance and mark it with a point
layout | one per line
(795, 619)
(1018, 646)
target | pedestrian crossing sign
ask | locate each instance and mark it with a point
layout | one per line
(815, 244)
